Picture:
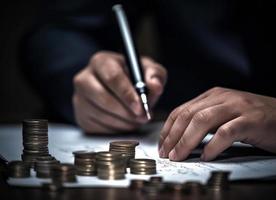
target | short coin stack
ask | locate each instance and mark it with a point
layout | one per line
(35, 140)
(193, 187)
(44, 166)
(142, 166)
(125, 147)
(218, 180)
(64, 173)
(85, 163)
(110, 165)
(18, 169)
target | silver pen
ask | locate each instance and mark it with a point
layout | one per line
(132, 58)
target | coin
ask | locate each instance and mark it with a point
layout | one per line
(142, 166)
(85, 163)
(64, 172)
(136, 184)
(18, 169)
(193, 187)
(218, 180)
(44, 166)
(125, 147)
(35, 140)
(110, 165)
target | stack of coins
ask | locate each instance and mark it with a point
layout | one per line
(173, 187)
(193, 187)
(156, 179)
(85, 163)
(137, 184)
(152, 189)
(218, 180)
(64, 173)
(125, 147)
(18, 169)
(142, 166)
(110, 165)
(35, 140)
(44, 166)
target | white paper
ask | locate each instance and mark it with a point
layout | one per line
(63, 140)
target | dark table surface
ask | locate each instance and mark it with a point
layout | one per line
(241, 190)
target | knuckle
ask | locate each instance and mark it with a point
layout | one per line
(114, 76)
(185, 113)
(202, 116)
(259, 115)
(172, 117)
(145, 60)
(78, 79)
(241, 100)
(98, 56)
(216, 89)
(226, 132)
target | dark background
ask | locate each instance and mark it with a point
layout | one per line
(18, 100)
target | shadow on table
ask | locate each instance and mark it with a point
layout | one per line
(234, 154)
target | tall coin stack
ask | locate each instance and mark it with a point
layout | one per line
(125, 147)
(85, 163)
(142, 166)
(110, 165)
(35, 140)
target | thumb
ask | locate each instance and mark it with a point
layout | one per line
(155, 78)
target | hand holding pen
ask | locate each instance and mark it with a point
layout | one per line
(105, 99)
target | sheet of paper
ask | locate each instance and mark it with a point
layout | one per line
(244, 161)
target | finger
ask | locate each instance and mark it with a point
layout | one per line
(183, 118)
(104, 120)
(155, 78)
(88, 125)
(182, 122)
(203, 121)
(92, 89)
(225, 136)
(113, 76)
(173, 116)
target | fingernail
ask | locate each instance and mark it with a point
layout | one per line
(172, 155)
(161, 152)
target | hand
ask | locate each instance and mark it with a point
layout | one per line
(105, 100)
(235, 115)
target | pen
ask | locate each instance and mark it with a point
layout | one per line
(132, 58)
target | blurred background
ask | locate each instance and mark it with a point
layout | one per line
(18, 100)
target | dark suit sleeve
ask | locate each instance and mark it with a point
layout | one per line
(62, 44)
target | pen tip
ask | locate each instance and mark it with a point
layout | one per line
(148, 115)
(146, 106)
(147, 111)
